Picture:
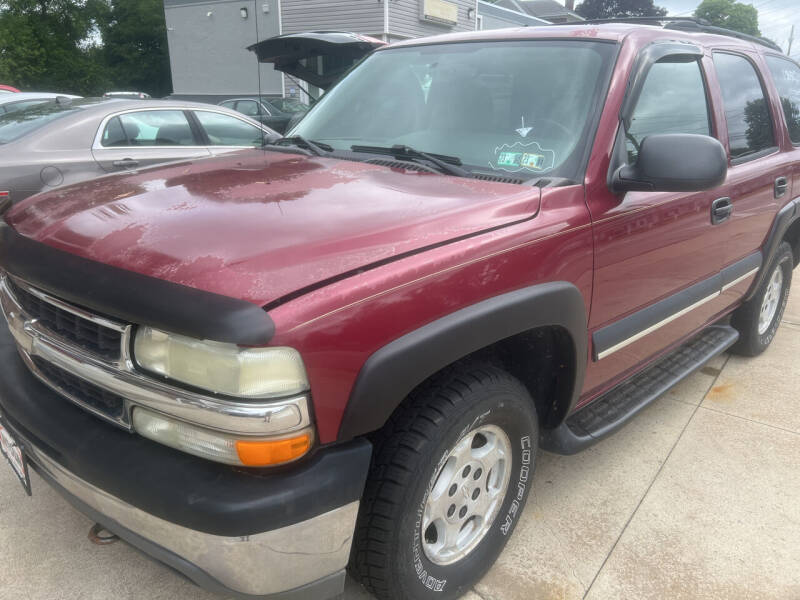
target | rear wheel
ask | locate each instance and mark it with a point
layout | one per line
(758, 319)
(450, 476)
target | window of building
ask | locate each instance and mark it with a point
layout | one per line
(746, 107)
(787, 79)
(672, 100)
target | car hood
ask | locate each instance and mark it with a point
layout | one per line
(261, 225)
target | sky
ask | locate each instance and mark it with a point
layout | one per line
(775, 18)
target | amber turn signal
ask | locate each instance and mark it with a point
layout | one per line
(272, 452)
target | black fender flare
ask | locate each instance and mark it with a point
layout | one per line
(394, 370)
(785, 218)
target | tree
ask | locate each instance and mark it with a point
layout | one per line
(47, 45)
(135, 46)
(729, 14)
(759, 125)
(607, 9)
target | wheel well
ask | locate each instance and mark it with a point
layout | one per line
(543, 359)
(792, 236)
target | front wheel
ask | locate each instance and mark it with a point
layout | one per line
(758, 319)
(451, 474)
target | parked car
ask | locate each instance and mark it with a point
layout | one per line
(57, 143)
(292, 106)
(7, 89)
(266, 110)
(14, 102)
(349, 346)
(127, 95)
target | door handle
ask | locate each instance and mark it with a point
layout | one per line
(126, 163)
(721, 210)
(781, 186)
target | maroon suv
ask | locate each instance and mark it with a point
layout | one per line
(346, 349)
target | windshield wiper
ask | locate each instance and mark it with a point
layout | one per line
(445, 164)
(316, 148)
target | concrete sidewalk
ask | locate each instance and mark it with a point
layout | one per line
(699, 497)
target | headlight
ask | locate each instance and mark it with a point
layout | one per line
(221, 368)
(220, 447)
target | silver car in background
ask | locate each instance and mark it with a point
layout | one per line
(57, 143)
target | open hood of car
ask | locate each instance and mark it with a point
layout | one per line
(286, 51)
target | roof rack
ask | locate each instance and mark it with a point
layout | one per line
(684, 24)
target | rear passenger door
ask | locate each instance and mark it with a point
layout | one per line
(139, 138)
(758, 172)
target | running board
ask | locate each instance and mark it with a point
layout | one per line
(615, 408)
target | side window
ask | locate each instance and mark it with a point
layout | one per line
(672, 100)
(787, 79)
(228, 104)
(746, 108)
(224, 130)
(247, 107)
(149, 128)
(114, 135)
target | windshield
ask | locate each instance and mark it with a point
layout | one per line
(16, 124)
(523, 107)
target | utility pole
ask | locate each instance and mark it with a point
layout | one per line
(791, 39)
(569, 4)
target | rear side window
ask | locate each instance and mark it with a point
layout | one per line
(224, 130)
(247, 107)
(672, 100)
(787, 79)
(746, 107)
(149, 128)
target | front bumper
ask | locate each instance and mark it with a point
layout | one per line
(241, 532)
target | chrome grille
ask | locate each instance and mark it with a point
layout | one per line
(70, 349)
(89, 335)
(101, 401)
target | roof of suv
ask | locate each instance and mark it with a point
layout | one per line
(616, 32)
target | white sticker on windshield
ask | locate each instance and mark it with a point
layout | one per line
(524, 131)
(517, 157)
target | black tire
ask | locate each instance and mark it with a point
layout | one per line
(746, 318)
(388, 556)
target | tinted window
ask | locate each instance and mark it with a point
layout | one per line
(224, 130)
(149, 128)
(247, 107)
(16, 124)
(228, 104)
(787, 79)
(746, 108)
(672, 100)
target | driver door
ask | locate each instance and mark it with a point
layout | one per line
(657, 254)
